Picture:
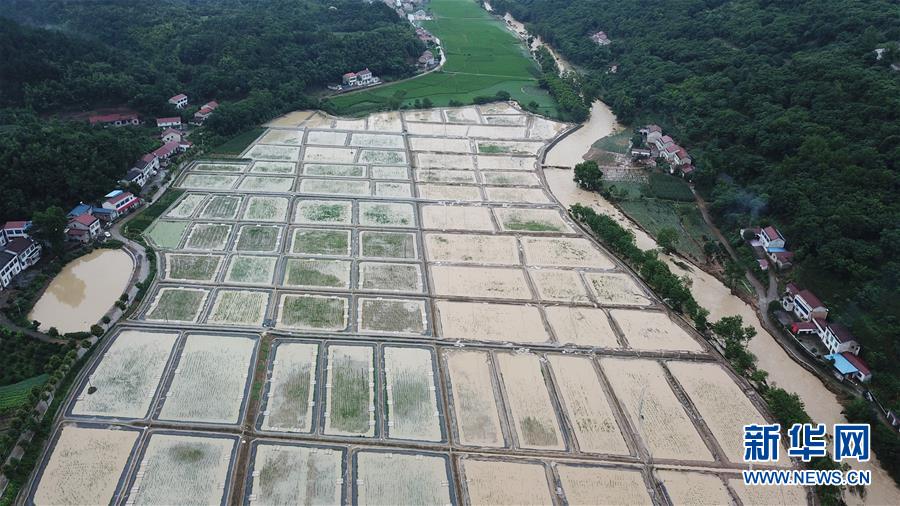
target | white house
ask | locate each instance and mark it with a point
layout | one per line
(174, 121)
(663, 142)
(13, 229)
(180, 101)
(349, 79)
(9, 267)
(170, 134)
(121, 203)
(85, 228)
(803, 303)
(837, 338)
(364, 77)
(26, 250)
(135, 176)
(770, 237)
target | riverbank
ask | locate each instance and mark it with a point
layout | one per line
(821, 404)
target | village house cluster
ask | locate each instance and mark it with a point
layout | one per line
(18, 251)
(660, 146)
(770, 247)
(600, 38)
(812, 319)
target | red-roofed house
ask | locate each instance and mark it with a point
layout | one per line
(13, 229)
(205, 111)
(170, 134)
(803, 303)
(121, 203)
(349, 79)
(180, 101)
(687, 171)
(173, 121)
(115, 120)
(168, 149)
(663, 142)
(84, 228)
(782, 259)
(838, 339)
(770, 237)
(863, 374)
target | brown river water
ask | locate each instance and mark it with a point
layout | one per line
(821, 403)
(83, 291)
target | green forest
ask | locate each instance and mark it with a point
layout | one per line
(259, 58)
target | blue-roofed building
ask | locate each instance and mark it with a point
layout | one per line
(79, 210)
(105, 215)
(849, 365)
(113, 193)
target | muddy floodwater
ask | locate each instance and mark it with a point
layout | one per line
(83, 291)
(821, 404)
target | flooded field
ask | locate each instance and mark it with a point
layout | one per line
(427, 309)
(83, 291)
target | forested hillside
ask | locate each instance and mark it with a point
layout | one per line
(259, 58)
(790, 117)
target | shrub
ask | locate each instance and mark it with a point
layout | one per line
(97, 330)
(105, 319)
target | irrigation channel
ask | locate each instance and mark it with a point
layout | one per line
(395, 309)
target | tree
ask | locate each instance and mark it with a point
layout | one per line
(730, 330)
(589, 176)
(667, 238)
(427, 103)
(786, 407)
(97, 330)
(49, 227)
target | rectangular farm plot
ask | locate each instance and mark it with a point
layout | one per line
(221, 207)
(411, 398)
(510, 179)
(585, 485)
(516, 195)
(319, 273)
(401, 478)
(291, 395)
(293, 474)
(239, 307)
(179, 468)
(446, 176)
(208, 182)
(509, 147)
(278, 136)
(531, 220)
(437, 129)
(220, 167)
(335, 187)
(462, 115)
(196, 268)
(617, 289)
(253, 270)
(332, 155)
(427, 115)
(586, 405)
(768, 496)
(469, 218)
(125, 380)
(389, 172)
(313, 241)
(377, 141)
(312, 312)
(385, 122)
(266, 209)
(655, 412)
(267, 167)
(497, 132)
(326, 137)
(177, 304)
(387, 214)
(167, 234)
(722, 404)
(466, 248)
(85, 466)
(382, 157)
(506, 120)
(332, 170)
(187, 206)
(388, 277)
(559, 286)
(350, 391)
(439, 144)
(474, 400)
(581, 326)
(445, 161)
(323, 212)
(278, 153)
(388, 244)
(646, 330)
(392, 315)
(491, 322)
(501, 482)
(483, 282)
(454, 193)
(267, 184)
(492, 162)
(696, 488)
(209, 382)
(384, 189)
(258, 238)
(564, 252)
(208, 236)
(533, 412)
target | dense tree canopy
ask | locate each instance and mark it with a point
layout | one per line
(790, 116)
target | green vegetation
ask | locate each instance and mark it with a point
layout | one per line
(314, 312)
(588, 176)
(15, 395)
(658, 215)
(535, 433)
(251, 269)
(321, 242)
(566, 88)
(237, 144)
(166, 234)
(388, 244)
(392, 316)
(175, 304)
(222, 207)
(350, 395)
(139, 223)
(193, 267)
(754, 100)
(664, 186)
(187, 452)
(257, 238)
(615, 143)
(483, 58)
(516, 223)
(300, 272)
(213, 236)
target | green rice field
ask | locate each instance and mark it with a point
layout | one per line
(483, 57)
(15, 395)
(309, 311)
(167, 234)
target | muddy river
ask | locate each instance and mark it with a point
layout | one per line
(83, 291)
(712, 294)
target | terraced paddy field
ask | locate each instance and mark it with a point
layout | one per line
(402, 344)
